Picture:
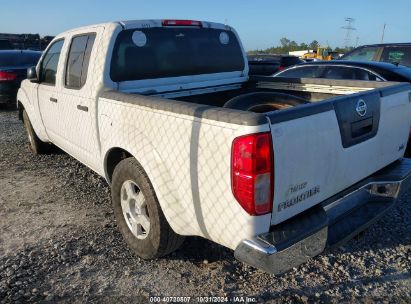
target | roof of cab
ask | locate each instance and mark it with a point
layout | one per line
(129, 24)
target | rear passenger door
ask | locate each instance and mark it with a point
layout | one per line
(77, 98)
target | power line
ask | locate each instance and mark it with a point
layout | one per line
(349, 28)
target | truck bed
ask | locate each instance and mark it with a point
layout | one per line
(319, 144)
(311, 89)
(316, 145)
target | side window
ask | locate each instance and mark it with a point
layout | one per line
(78, 61)
(363, 54)
(361, 74)
(302, 72)
(339, 73)
(400, 55)
(50, 62)
(347, 73)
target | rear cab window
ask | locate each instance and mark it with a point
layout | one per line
(151, 53)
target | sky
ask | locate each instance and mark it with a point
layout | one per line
(260, 24)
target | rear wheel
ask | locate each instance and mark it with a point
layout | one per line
(36, 145)
(138, 213)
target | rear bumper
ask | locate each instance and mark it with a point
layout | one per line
(330, 223)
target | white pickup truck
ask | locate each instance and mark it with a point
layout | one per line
(275, 169)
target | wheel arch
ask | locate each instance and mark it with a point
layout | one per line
(112, 158)
(20, 109)
(23, 102)
(33, 112)
(159, 177)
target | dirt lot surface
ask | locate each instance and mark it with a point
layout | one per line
(59, 243)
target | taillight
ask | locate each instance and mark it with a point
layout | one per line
(252, 172)
(181, 23)
(7, 76)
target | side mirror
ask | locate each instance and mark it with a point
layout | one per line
(32, 74)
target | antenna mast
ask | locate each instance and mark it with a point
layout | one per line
(383, 32)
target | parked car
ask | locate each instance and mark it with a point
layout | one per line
(349, 70)
(13, 69)
(398, 53)
(270, 64)
(165, 111)
(5, 44)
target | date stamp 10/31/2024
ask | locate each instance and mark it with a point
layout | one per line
(201, 299)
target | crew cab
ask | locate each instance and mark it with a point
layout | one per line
(274, 168)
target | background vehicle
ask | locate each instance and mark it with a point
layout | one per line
(322, 53)
(24, 41)
(5, 44)
(398, 53)
(166, 112)
(349, 70)
(270, 64)
(13, 69)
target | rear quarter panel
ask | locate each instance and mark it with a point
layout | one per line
(187, 159)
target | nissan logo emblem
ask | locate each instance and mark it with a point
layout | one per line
(361, 107)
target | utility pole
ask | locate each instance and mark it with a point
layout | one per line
(356, 41)
(349, 28)
(383, 32)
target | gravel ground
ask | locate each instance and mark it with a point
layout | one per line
(59, 243)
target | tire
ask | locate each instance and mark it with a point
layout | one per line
(130, 184)
(261, 102)
(35, 144)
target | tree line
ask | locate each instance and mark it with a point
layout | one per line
(287, 45)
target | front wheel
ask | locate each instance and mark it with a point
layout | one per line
(138, 213)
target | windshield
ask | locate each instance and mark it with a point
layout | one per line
(171, 52)
(362, 54)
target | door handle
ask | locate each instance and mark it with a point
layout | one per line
(52, 99)
(82, 108)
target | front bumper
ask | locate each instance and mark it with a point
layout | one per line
(330, 223)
